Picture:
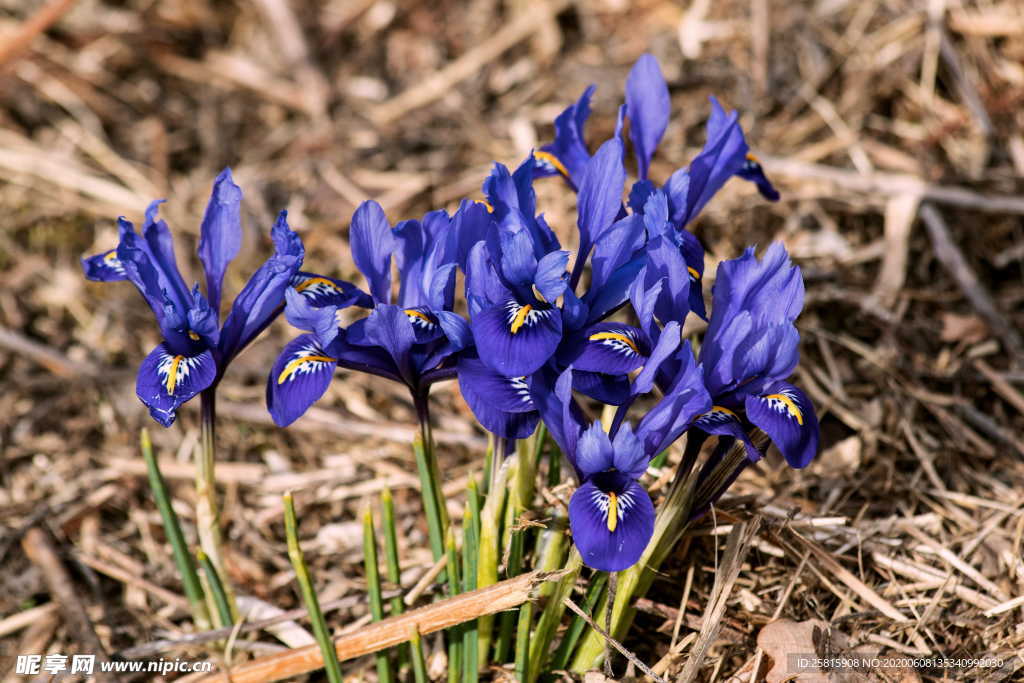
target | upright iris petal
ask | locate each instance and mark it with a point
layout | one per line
(647, 105)
(568, 155)
(220, 235)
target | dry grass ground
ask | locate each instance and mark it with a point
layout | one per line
(894, 129)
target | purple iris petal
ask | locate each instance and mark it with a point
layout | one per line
(647, 105)
(685, 400)
(612, 520)
(787, 416)
(167, 379)
(569, 149)
(320, 290)
(502, 405)
(551, 278)
(104, 267)
(594, 451)
(771, 288)
(220, 234)
(600, 196)
(552, 394)
(373, 243)
(766, 354)
(630, 457)
(723, 156)
(753, 172)
(390, 328)
(161, 249)
(668, 341)
(612, 390)
(617, 245)
(611, 348)
(264, 294)
(302, 313)
(298, 378)
(722, 421)
(517, 339)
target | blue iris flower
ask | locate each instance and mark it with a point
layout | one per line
(750, 349)
(610, 514)
(196, 349)
(413, 339)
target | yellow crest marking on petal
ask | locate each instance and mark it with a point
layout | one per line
(110, 256)
(294, 365)
(751, 157)
(172, 374)
(693, 272)
(613, 511)
(520, 318)
(791, 407)
(193, 336)
(490, 209)
(722, 409)
(306, 284)
(419, 314)
(550, 158)
(614, 336)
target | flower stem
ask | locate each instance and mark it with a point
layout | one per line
(430, 481)
(207, 510)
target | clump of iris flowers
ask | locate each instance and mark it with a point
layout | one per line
(532, 322)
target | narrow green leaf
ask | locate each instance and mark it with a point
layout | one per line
(220, 599)
(316, 617)
(373, 586)
(172, 529)
(419, 664)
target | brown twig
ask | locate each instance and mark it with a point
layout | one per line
(40, 550)
(46, 17)
(392, 631)
(611, 641)
(954, 261)
(732, 560)
(442, 81)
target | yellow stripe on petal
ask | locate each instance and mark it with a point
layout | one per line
(306, 284)
(751, 157)
(722, 409)
(550, 158)
(693, 272)
(791, 407)
(172, 374)
(613, 511)
(520, 318)
(294, 365)
(419, 314)
(614, 336)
